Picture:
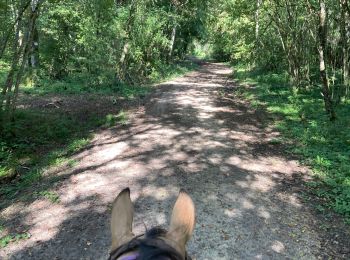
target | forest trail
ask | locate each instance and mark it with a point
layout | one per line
(193, 133)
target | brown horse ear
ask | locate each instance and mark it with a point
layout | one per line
(182, 221)
(122, 218)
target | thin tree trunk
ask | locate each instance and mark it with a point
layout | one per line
(27, 47)
(17, 48)
(257, 22)
(8, 34)
(172, 41)
(121, 65)
(34, 52)
(345, 43)
(21, 50)
(124, 53)
(322, 33)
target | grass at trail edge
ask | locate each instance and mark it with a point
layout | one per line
(322, 145)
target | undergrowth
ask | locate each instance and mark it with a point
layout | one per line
(39, 140)
(106, 84)
(322, 145)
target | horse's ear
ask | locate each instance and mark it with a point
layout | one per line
(182, 220)
(122, 218)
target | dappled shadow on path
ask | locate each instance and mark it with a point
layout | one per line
(190, 135)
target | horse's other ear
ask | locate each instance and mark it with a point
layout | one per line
(122, 218)
(182, 221)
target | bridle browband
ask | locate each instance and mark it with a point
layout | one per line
(157, 243)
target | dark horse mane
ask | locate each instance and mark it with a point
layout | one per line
(149, 246)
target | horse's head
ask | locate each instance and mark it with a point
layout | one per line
(156, 243)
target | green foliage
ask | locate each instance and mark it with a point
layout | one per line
(201, 50)
(77, 145)
(88, 38)
(3, 71)
(120, 118)
(285, 37)
(51, 196)
(5, 152)
(4, 241)
(231, 31)
(80, 84)
(320, 144)
(91, 45)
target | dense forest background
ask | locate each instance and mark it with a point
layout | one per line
(295, 53)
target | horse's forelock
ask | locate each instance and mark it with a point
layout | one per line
(151, 246)
(156, 232)
(155, 247)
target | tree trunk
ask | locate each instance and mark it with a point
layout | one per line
(257, 17)
(121, 68)
(17, 48)
(322, 34)
(345, 44)
(172, 41)
(27, 47)
(21, 50)
(10, 30)
(34, 52)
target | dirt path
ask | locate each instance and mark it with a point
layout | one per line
(191, 134)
